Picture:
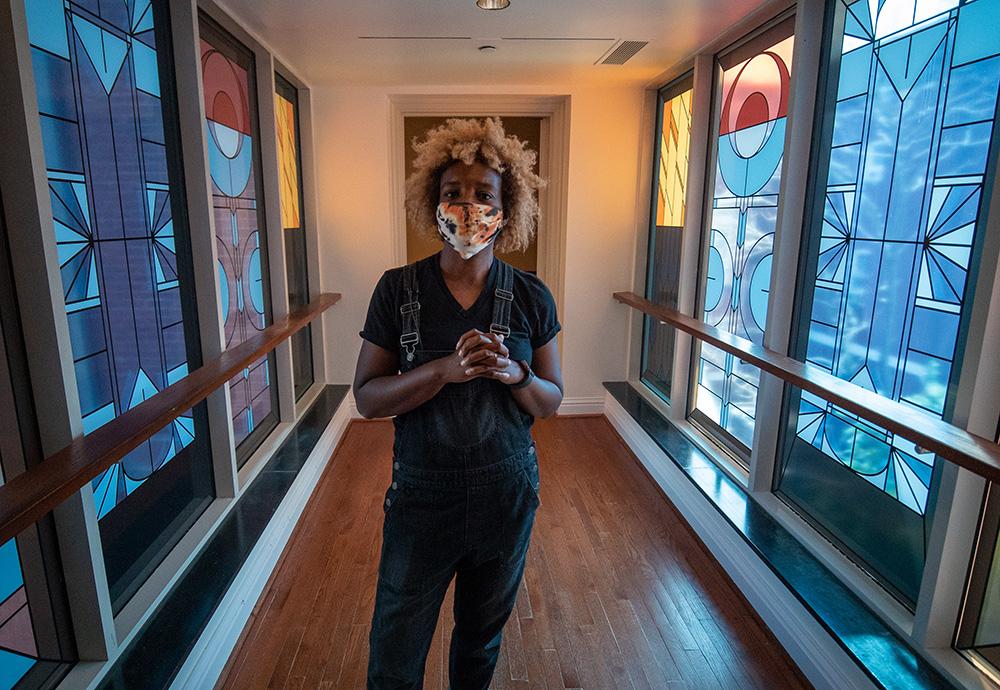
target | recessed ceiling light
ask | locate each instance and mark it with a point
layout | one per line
(487, 49)
(492, 4)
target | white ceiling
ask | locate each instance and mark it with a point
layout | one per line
(322, 39)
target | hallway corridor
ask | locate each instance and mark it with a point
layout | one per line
(618, 592)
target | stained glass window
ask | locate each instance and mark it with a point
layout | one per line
(99, 105)
(673, 139)
(752, 109)
(286, 114)
(912, 118)
(912, 129)
(234, 163)
(286, 106)
(18, 651)
(110, 182)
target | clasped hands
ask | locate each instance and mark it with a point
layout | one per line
(479, 354)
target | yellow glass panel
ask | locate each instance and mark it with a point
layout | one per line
(288, 162)
(675, 138)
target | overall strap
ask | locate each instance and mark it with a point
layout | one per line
(410, 333)
(503, 298)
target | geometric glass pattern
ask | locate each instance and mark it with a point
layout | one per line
(913, 121)
(671, 168)
(238, 216)
(18, 650)
(751, 141)
(286, 107)
(675, 139)
(98, 90)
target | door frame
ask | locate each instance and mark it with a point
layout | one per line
(553, 165)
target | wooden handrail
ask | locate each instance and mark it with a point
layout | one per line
(27, 497)
(974, 453)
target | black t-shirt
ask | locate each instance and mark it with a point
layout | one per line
(533, 319)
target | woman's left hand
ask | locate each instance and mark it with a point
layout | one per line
(486, 355)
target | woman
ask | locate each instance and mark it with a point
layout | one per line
(460, 347)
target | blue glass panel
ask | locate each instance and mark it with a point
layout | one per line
(919, 91)
(750, 145)
(98, 93)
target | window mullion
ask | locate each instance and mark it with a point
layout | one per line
(310, 209)
(204, 251)
(788, 232)
(694, 200)
(274, 233)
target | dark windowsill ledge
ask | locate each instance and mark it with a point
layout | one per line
(884, 656)
(159, 649)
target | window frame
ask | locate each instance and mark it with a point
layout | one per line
(303, 339)
(731, 451)
(672, 89)
(217, 28)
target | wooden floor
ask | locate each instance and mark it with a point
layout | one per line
(617, 593)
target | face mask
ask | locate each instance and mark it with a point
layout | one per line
(468, 228)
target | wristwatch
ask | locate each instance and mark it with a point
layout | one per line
(528, 375)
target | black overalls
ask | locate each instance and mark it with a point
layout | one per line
(462, 503)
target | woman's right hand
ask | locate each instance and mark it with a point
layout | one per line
(451, 368)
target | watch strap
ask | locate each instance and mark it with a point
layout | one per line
(528, 375)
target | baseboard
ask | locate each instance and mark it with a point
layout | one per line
(823, 661)
(581, 405)
(208, 658)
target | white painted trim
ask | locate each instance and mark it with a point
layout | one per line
(581, 405)
(207, 659)
(823, 661)
(551, 243)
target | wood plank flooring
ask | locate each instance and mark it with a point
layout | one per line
(618, 592)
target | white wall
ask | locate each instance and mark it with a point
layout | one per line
(352, 154)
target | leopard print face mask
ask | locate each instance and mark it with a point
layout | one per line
(468, 228)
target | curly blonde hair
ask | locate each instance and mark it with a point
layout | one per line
(469, 141)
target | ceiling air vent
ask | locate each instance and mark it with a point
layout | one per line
(622, 52)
